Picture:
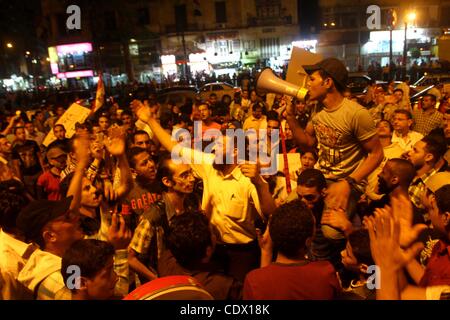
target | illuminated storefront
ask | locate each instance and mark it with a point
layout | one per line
(419, 38)
(73, 61)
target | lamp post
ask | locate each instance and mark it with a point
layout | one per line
(410, 17)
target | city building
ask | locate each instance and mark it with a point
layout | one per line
(345, 31)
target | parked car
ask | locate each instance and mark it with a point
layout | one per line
(430, 80)
(219, 88)
(358, 82)
(176, 95)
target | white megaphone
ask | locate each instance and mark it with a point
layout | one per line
(269, 82)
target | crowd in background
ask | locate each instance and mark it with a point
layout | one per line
(359, 181)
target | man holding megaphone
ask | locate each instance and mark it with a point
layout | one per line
(349, 149)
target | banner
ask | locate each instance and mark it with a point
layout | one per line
(74, 114)
(100, 95)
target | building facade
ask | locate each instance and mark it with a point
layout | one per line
(153, 39)
(344, 31)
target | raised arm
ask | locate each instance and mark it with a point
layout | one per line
(81, 146)
(262, 188)
(305, 138)
(115, 144)
(145, 114)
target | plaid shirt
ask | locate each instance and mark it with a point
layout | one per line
(148, 238)
(424, 122)
(417, 188)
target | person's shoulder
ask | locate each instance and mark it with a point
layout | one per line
(353, 107)
(259, 273)
(324, 267)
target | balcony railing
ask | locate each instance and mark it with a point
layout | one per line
(269, 21)
(172, 28)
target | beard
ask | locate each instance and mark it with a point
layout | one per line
(383, 187)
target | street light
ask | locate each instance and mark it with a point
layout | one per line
(9, 45)
(410, 17)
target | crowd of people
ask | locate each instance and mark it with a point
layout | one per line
(356, 208)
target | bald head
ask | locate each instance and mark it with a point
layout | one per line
(403, 169)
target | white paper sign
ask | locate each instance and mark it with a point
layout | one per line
(74, 114)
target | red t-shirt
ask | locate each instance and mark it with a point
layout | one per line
(437, 271)
(310, 281)
(50, 183)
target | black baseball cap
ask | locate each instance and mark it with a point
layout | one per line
(333, 67)
(37, 214)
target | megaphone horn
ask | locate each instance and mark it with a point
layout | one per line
(269, 82)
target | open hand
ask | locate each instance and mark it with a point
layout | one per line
(118, 234)
(82, 147)
(142, 111)
(384, 233)
(115, 142)
(336, 218)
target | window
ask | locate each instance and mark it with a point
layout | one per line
(270, 47)
(217, 87)
(221, 12)
(180, 17)
(268, 8)
(143, 17)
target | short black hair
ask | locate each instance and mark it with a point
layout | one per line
(126, 112)
(398, 89)
(436, 145)
(12, 201)
(90, 255)
(138, 132)
(132, 153)
(189, 237)
(290, 226)
(405, 112)
(442, 198)
(59, 125)
(432, 96)
(17, 128)
(312, 178)
(312, 151)
(360, 242)
(257, 105)
(388, 122)
(273, 115)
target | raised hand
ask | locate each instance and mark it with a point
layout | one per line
(336, 219)
(250, 170)
(115, 142)
(402, 211)
(142, 110)
(118, 234)
(384, 233)
(82, 147)
(290, 107)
